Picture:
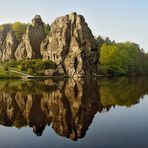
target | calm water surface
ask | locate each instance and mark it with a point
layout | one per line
(103, 113)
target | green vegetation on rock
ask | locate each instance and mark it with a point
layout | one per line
(47, 28)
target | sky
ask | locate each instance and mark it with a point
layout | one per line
(121, 20)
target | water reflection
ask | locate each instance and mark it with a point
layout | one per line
(122, 91)
(68, 106)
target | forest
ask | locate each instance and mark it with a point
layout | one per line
(126, 58)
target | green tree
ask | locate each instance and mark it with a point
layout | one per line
(19, 29)
(47, 28)
(122, 58)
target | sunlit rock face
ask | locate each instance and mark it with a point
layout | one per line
(71, 45)
(8, 43)
(31, 41)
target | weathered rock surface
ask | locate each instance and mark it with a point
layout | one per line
(8, 43)
(71, 45)
(29, 47)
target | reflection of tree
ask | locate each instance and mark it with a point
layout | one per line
(69, 106)
(122, 91)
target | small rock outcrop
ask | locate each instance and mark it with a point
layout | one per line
(29, 48)
(8, 43)
(71, 45)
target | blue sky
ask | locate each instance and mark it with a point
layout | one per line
(121, 20)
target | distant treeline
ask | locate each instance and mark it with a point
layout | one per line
(121, 58)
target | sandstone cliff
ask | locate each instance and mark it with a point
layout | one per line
(29, 47)
(72, 46)
(8, 43)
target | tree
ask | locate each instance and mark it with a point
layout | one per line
(47, 28)
(109, 59)
(123, 58)
(19, 29)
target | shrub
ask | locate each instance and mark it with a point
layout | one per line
(6, 68)
(29, 71)
(33, 66)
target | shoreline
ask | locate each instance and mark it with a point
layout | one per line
(66, 77)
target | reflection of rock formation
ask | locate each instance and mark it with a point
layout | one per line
(72, 112)
(69, 106)
(7, 108)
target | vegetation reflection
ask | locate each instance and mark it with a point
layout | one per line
(68, 105)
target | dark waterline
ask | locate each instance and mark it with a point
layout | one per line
(104, 113)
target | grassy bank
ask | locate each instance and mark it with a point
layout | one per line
(35, 67)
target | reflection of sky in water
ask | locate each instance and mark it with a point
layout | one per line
(120, 127)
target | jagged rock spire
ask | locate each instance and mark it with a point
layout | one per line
(37, 21)
(72, 46)
(31, 41)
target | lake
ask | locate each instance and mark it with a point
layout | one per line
(99, 113)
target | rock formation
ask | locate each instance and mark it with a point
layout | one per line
(71, 45)
(8, 43)
(29, 47)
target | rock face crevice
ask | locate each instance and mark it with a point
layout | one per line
(29, 48)
(71, 45)
(8, 43)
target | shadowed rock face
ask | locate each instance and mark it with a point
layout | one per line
(71, 45)
(31, 41)
(8, 43)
